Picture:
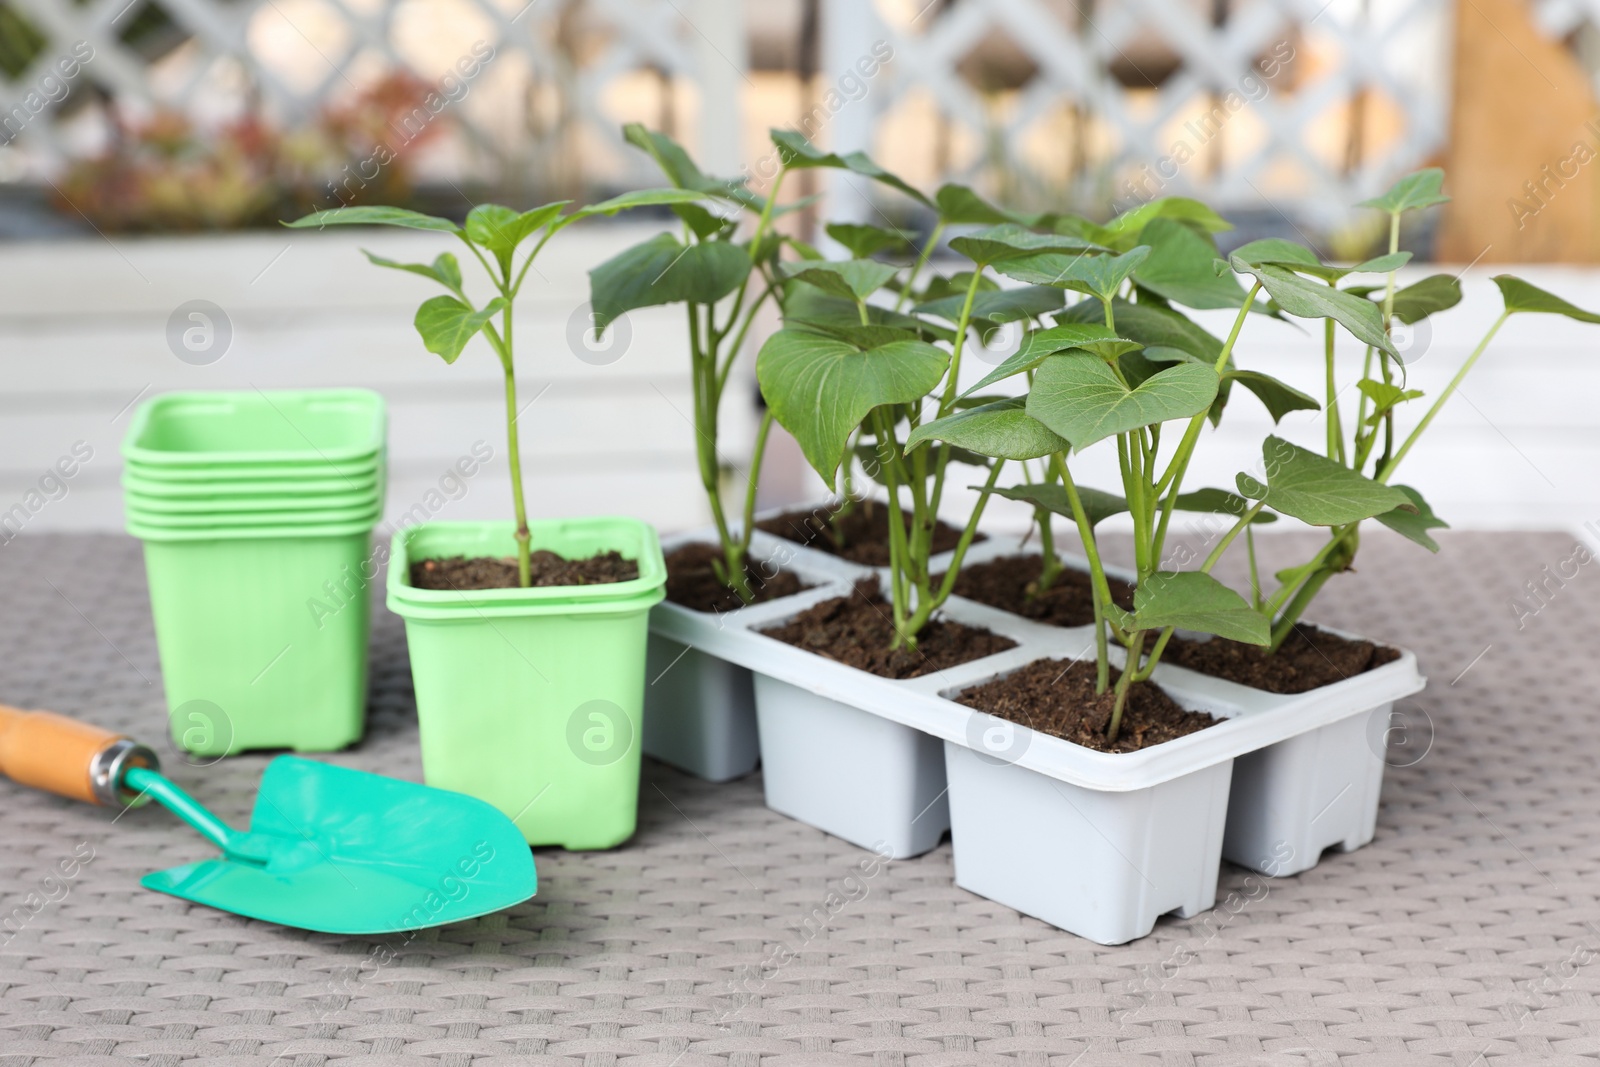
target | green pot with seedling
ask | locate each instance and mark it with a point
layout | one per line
(527, 638)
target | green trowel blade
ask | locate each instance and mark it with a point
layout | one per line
(356, 853)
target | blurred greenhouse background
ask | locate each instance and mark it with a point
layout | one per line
(150, 148)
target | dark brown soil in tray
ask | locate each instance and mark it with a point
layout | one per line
(1308, 659)
(692, 583)
(857, 631)
(1005, 583)
(544, 568)
(861, 536)
(1057, 697)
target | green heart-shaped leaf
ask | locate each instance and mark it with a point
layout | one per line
(1010, 240)
(855, 279)
(1414, 191)
(1279, 398)
(821, 388)
(1098, 275)
(997, 305)
(447, 324)
(1520, 296)
(1097, 503)
(663, 271)
(1081, 397)
(1435, 293)
(1002, 429)
(1315, 489)
(1314, 300)
(1182, 267)
(1191, 600)
(1414, 522)
(864, 242)
(1040, 344)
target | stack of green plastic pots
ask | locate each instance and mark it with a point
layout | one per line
(256, 510)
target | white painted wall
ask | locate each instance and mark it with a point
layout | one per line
(83, 333)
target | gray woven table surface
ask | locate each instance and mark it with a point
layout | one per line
(1479, 893)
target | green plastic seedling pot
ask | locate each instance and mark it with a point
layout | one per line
(313, 510)
(308, 428)
(263, 640)
(246, 477)
(246, 493)
(531, 699)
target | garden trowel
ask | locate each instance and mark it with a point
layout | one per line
(329, 849)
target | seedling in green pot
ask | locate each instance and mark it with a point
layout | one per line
(495, 236)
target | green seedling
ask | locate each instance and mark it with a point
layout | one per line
(1362, 462)
(495, 236)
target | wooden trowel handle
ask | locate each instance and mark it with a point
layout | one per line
(68, 757)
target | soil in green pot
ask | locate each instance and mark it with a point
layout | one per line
(1057, 697)
(692, 582)
(1308, 659)
(1007, 582)
(861, 535)
(857, 631)
(544, 567)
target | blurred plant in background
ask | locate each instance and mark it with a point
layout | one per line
(169, 173)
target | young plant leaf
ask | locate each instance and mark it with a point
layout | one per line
(798, 153)
(682, 172)
(1220, 502)
(1298, 258)
(1280, 398)
(997, 305)
(493, 228)
(1437, 292)
(1182, 267)
(1097, 504)
(1384, 396)
(1041, 344)
(444, 269)
(447, 324)
(1192, 600)
(1099, 276)
(374, 216)
(662, 271)
(1520, 296)
(1279, 251)
(1002, 429)
(821, 388)
(864, 242)
(1081, 397)
(1414, 522)
(1131, 224)
(637, 198)
(960, 206)
(854, 279)
(1313, 300)
(1411, 193)
(1315, 489)
(1010, 240)
(1152, 327)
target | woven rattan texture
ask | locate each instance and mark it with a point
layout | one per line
(1479, 893)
